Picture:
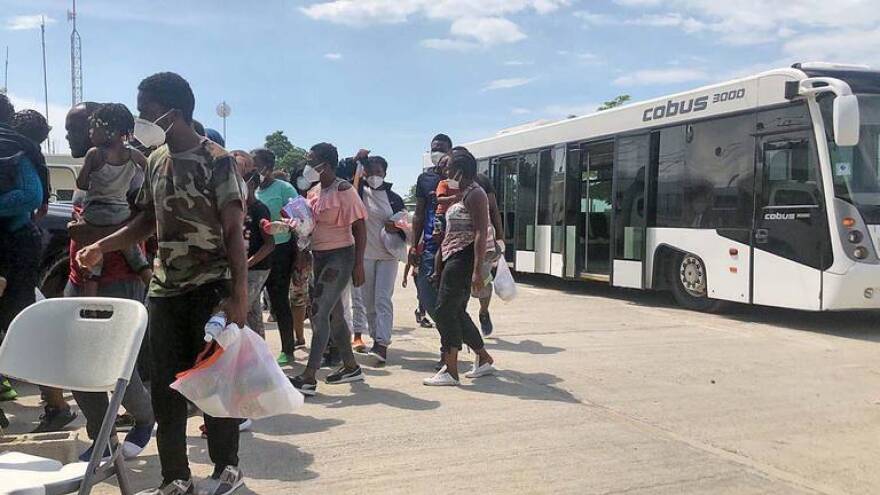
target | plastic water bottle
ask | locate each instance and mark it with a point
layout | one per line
(215, 325)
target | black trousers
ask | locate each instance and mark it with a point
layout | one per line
(20, 264)
(453, 322)
(278, 287)
(177, 330)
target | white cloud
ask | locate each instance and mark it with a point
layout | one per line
(57, 114)
(563, 111)
(449, 44)
(487, 30)
(472, 21)
(660, 76)
(513, 82)
(671, 20)
(517, 63)
(849, 46)
(747, 22)
(333, 56)
(593, 19)
(520, 111)
(23, 22)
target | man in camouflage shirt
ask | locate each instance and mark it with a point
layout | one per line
(193, 200)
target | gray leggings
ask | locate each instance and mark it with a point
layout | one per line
(332, 273)
(136, 400)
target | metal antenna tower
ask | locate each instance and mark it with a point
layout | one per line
(76, 81)
(45, 77)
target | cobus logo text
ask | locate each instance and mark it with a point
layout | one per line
(682, 107)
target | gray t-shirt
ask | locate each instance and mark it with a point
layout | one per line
(378, 212)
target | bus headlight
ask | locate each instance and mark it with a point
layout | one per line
(855, 237)
(860, 253)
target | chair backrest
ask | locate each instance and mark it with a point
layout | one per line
(84, 344)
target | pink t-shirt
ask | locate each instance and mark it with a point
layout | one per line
(334, 212)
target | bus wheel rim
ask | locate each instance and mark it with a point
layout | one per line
(693, 276)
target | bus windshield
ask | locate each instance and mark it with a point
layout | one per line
(856, 169)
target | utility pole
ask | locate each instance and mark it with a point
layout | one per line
(223, 111)
(45, 77)
(5, 88)
(76, 82)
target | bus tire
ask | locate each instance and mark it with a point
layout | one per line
(687, 278)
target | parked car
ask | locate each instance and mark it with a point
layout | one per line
(55, 263)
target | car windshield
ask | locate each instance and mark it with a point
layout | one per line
(856, 169)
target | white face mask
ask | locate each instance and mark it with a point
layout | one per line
(436, 156)
(311, 175)
(151, 134)
(453, 183)
(375, 181)
(303, 184)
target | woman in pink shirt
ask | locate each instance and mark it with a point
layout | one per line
(337, 245)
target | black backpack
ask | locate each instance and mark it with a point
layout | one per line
(9, 172)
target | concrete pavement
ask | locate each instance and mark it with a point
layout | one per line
(600, 391)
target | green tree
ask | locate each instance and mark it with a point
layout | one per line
(616, 102)
(288, 156)
(411, 195)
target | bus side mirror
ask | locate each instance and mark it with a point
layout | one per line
(846, 120)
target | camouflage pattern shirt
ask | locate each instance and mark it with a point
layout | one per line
(187, 192)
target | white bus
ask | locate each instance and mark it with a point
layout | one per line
(762, 190)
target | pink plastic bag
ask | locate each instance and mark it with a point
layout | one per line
(238, 378)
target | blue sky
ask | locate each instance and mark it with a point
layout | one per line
(389, 74)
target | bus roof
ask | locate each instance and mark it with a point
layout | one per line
(759, 90)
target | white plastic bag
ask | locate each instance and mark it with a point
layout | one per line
(239, 379)
(505, 286)
(395, 245)
(302, 219)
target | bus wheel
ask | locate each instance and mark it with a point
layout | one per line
(689, 283)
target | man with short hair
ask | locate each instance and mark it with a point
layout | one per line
(193, 199)
(423, 224)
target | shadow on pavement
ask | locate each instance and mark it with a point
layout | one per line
(362, 394)
(294, 424)
(527, 346)
(525, 386)
(281, 461)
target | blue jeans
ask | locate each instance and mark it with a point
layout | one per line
(426, 291)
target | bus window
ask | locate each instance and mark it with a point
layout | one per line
(790, 177)
(526, 199)
(629, 196)
(720, 168)
(557, 199)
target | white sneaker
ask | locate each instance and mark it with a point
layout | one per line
(480, 370)
(245, 425)
(441, 379)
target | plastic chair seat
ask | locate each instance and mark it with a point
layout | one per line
(24, 474)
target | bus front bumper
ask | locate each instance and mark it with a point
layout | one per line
(858, 288)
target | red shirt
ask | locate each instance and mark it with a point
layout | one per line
(116, 269)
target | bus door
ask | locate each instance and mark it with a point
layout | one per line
(790, 243)
(632, 157)
(596, 178)
(507, 186)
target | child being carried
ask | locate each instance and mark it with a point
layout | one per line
(106, 177)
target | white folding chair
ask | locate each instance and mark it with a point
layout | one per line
(83, 344)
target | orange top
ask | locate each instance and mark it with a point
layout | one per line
(443, 190)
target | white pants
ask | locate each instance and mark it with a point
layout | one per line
(353, 309)
(381, 276)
